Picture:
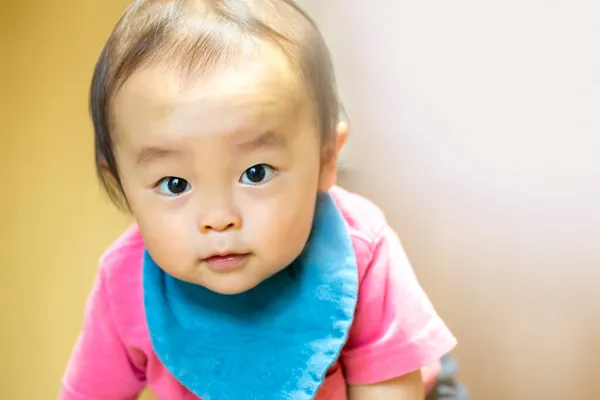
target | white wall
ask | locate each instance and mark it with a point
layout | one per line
(478, 126)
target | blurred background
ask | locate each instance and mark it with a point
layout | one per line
(475, 125)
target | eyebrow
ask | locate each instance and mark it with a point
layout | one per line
(150, 154)
(266, 139)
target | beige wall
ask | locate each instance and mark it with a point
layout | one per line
(479, 134)
(478, 131)
(54, 221)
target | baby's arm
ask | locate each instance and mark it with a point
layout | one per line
(405, 387)
(396, 330)
(100, 367)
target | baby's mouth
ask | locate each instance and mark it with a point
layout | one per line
(224, 262)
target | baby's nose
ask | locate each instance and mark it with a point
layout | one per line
(220, 221)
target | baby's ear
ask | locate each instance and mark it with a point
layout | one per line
(341, 134)
(330, 156)
(328, 174)
(342, 131)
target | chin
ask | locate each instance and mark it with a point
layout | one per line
(231, 287)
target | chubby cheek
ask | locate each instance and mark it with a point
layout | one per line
(168, 238)
(280, 230)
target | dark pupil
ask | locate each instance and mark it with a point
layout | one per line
(256, 174)
(177, 185)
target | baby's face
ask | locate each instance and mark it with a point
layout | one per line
(221, 174)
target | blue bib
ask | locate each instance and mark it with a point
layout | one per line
(273, 342)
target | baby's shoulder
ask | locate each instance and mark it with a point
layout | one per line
(121, 262)
(364, 219)
(365, 222)
(121, 275)
(121, 271)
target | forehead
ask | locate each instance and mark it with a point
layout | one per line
(255, 88)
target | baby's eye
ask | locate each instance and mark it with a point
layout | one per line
(257, 174)
(173, 186)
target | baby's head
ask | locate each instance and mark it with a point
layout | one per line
(215, 124)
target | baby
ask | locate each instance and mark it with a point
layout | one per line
(248, 273)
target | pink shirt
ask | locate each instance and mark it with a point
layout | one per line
(395, 331)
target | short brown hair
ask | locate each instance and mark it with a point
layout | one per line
(197, 36)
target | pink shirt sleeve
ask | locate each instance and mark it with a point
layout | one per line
(100, 367)
(396, 329)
